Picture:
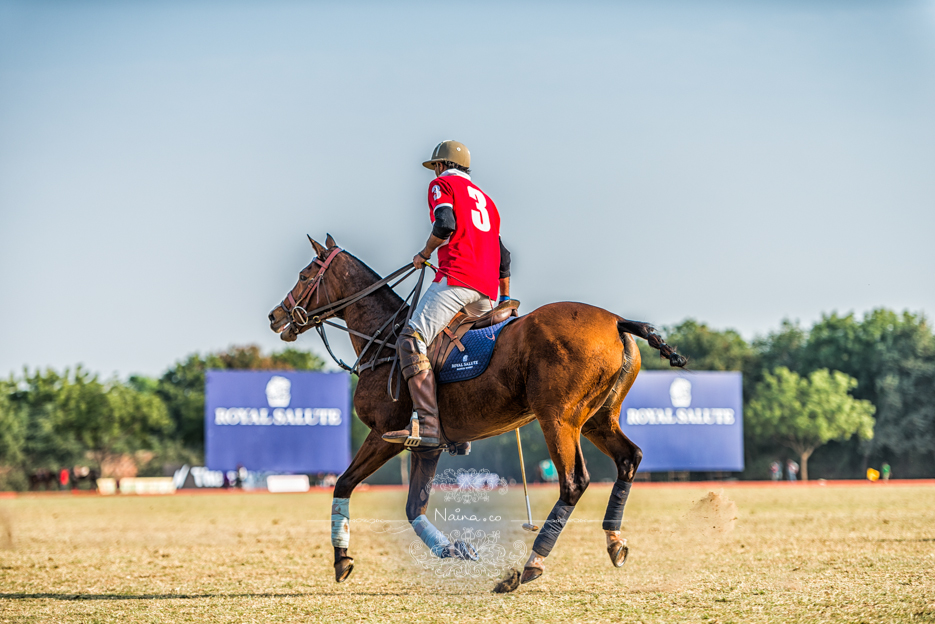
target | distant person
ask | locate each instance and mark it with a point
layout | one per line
(547, 471)
(792, 470)
(64, 478)
(775, 471)
(885, 472)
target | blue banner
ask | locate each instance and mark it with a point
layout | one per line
(278, 421)
(686, 421)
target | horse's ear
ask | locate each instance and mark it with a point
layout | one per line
(329, 242)
(317, 247)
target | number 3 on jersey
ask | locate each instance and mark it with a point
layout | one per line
(479, 214)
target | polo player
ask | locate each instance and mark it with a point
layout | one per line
(473, 265)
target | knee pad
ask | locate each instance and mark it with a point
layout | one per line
(411, 350)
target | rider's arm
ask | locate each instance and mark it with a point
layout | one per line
(504, 272)
(445, 224)
(431, 245)
(443, 227)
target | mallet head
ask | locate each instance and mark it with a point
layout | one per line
(530, 527)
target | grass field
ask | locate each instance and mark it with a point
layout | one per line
(753, 554)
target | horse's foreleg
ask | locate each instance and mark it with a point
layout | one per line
(373, 453)
(565, 450)
(421, 475)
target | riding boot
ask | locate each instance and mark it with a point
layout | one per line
(423, 429)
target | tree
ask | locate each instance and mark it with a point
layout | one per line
(892, 356)
(13, 423)
(182, 387)
(805, 413)
(37, 396)
(905, 430)
(110, 418)
(781, 348)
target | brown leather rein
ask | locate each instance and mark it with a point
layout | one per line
(318, 317)
(300, 316)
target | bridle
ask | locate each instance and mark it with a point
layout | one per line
(296, 309)
(298, 314)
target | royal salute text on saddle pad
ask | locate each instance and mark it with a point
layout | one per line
(473, 361)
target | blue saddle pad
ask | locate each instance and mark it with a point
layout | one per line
(473, 361)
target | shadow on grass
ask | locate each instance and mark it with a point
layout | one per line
(67, 596)
(435, 591)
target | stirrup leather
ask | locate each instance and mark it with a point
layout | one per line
(413, 439)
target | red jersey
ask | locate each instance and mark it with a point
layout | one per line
(471, 257)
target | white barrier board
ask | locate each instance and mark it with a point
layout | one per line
(287, 483)
(147, 485)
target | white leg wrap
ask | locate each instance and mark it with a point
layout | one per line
(430, 536)
(340, 522)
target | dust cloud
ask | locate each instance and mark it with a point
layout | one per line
(713, 516)
(679, 555)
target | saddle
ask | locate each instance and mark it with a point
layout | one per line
(450, 338)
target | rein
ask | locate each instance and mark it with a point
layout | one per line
(300, 316)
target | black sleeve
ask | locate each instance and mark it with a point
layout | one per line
(445, 224)
(504, 261)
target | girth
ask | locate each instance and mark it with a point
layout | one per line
(450, 337)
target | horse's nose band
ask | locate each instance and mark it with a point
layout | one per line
(297, 313)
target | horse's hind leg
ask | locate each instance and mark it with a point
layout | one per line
(561, 425)
(563, 440)
(373, 453)
(603, 429)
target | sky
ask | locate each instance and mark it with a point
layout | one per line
(733, 162)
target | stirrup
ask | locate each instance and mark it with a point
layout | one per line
(413, 439)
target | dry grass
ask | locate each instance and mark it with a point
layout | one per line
(753, 554)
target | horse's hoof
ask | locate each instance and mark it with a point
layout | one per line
(530, 574)
(534, 567)
(618, 552)
(463, 550)
(343, 569)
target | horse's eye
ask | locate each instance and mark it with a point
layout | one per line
(303, 278)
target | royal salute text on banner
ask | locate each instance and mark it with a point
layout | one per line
(278, 421)
(686, 421)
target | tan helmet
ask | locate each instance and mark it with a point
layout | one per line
(452, 151)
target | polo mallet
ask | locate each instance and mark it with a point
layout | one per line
(529, 526)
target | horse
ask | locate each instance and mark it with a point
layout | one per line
(44, 478)
(568, 365)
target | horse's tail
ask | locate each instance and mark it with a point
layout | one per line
(648, 333)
